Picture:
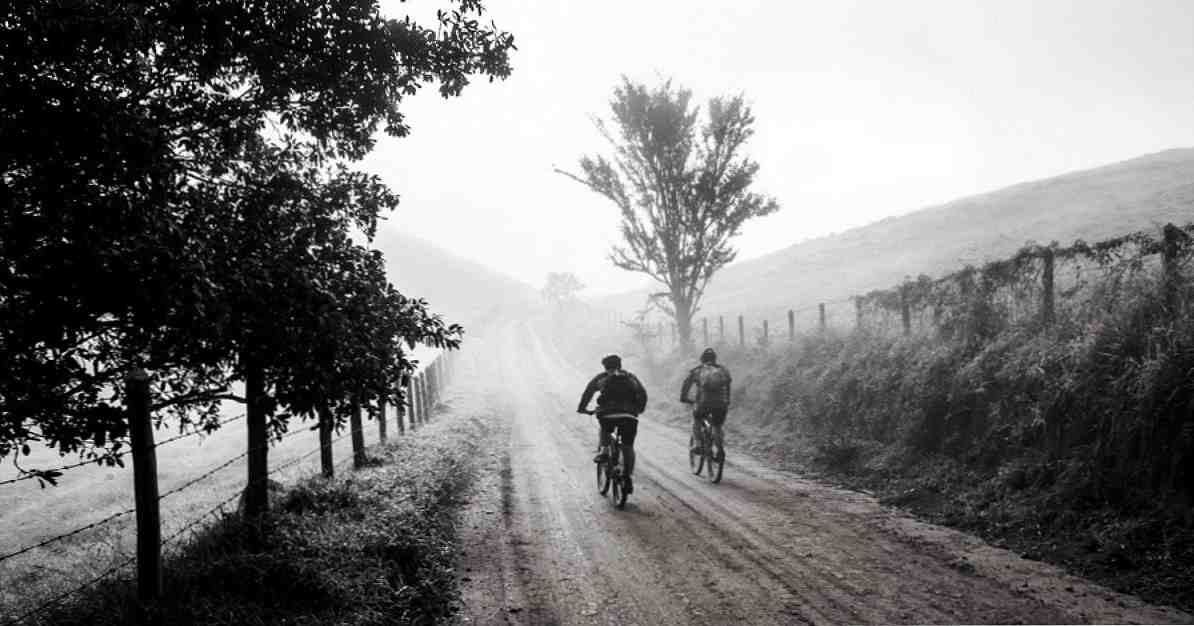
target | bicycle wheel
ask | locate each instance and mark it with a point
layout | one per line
(602, 477)
(617, 495)
(696, 460)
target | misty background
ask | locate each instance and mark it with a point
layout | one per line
(864, 110)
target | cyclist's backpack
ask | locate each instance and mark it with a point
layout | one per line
(617, 391)
(713, 385)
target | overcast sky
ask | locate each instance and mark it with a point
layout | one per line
(864, 109)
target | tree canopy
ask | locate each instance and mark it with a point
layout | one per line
(176, 193)
(682, 185)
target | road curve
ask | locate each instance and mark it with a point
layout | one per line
(540, 546)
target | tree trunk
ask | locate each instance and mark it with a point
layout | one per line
(683, 307)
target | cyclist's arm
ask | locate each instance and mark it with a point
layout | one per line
(590, 389)
(688, 383)
(729, 385)
(640, 396)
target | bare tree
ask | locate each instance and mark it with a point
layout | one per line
(682, 188)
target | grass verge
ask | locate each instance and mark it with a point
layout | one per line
(375, 546)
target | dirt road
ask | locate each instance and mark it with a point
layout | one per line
(764, 547)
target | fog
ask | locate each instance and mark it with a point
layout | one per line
(864, 109)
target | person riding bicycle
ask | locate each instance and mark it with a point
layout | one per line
(713, 398)
(621, 401)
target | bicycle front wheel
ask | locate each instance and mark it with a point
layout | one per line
(696, 460)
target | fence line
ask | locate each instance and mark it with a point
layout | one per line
(168, 540)
(1030, 286)
(416, 408)
(133, 509)
(57, 471)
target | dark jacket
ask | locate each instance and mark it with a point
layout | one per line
(606, 405)
(694, 378)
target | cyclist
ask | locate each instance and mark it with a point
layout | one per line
(621, 401)
(713, 399)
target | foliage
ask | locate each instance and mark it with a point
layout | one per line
(173, 197)
(683, 189)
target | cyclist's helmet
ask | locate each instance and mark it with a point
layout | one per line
(612, 362)
(708, 356)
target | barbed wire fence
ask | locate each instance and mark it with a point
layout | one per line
(1040, 285)
(421, 392)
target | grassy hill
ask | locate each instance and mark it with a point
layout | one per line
(464, 291)
(1089, 204)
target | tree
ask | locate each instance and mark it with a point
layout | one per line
(561, 287)
(683, 188)
(144, 216)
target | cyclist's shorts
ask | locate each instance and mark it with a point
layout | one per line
(627, 426)
(716, 415)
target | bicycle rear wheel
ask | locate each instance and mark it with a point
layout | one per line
(602, 477)
(696, 460)
(618, 494)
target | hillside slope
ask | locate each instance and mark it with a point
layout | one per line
(463, 291)
(1088, 204)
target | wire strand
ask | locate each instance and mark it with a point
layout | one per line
(35, 473)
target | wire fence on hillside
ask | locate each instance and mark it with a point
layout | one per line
(1078, 285)
(421, 393)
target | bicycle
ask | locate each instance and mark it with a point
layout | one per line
(703, 457)
(609, 473)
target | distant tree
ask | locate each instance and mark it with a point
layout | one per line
(683, 188)
(561, 287)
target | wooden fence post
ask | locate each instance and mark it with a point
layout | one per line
(1047, 311)
(145, 489)
(791, 325)
(766, 333)
(905, 309)
(432, 388)
(416, 403)
(721, 329)
(741, 332)
(257, 486)
(358, 436)
(705, 329)
(326, 424)
(422, 382)
(858, 313)
(381, 420)
(1169, 269)
(403, 407)
(821, 314)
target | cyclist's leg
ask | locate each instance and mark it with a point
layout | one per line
(628, 428)
(717, 418)
(607, 428)
(696, 430)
